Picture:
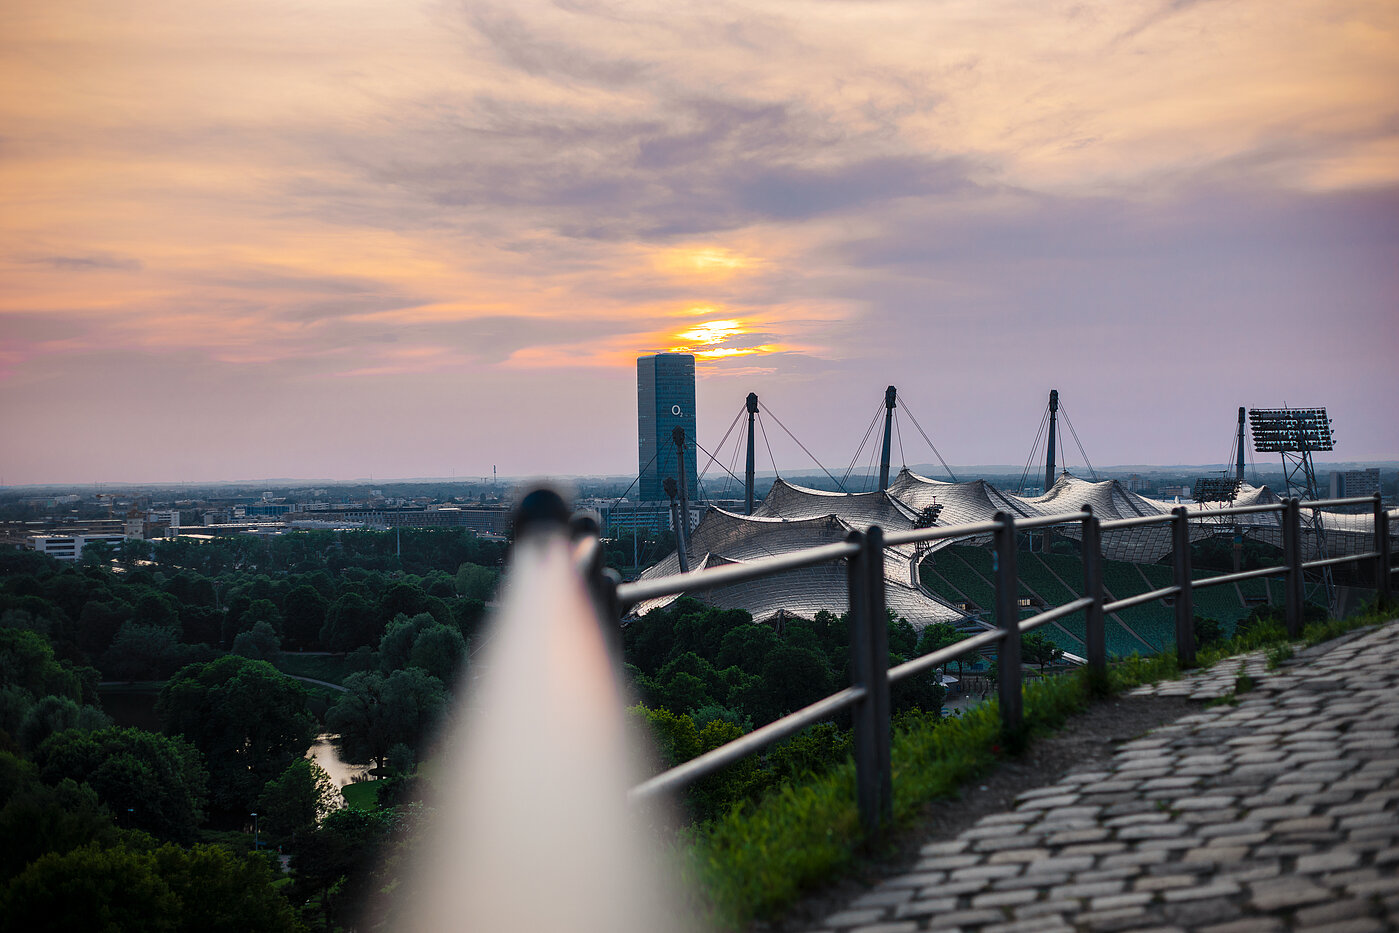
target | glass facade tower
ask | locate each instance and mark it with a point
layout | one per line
(665, 400)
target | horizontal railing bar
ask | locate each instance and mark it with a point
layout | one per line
(725, 755)
(1332, 561)
(944, 655)
(1040, 521)
(1135, 521)
(1323, 503)
(1058, 612)
(1140, 598)
(711, 577)
(938, 532)
(1237, 577)
(1238, 509)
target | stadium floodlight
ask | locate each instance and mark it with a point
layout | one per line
(1277, 430)
(1294, 433)
(1215, 489)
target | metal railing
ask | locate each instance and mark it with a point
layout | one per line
(867, 697)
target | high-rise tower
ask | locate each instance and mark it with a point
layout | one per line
(665, 400)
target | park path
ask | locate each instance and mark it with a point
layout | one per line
(1276, 810)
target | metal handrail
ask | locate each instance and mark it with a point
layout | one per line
(712, 577)
(726, 754)
(945, 655)
(1058, 612)
(863, 553)
(1130, 601)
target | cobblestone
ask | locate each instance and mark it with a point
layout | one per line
(1280, 813)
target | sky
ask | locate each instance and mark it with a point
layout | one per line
(351, 238)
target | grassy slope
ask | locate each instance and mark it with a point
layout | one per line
(760, 857)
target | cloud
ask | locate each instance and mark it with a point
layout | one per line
(88, 263)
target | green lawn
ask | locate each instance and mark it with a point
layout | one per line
(363, 795)
(327, 667)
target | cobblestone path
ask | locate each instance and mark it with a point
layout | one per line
(1277, 811)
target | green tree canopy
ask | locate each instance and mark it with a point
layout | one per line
(378, 711)
(248, 719)
(153, 782)
(259, 643)
(294, 802)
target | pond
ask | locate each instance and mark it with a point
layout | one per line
(135, 707)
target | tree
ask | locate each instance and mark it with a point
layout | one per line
(36, 818)
(304, 615)
(349, 623)
(476, 582)
(336, 860)
(206, 888)
(439, 651)
(248, 719)
(152, 782)
(294, 802)
(1037, 649)
(378, 711)
(91, 889)
(55, 714)
(142, 652)
(937, 636)
(224, 892)
(259, 643)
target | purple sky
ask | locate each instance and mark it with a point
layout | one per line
(409, 239)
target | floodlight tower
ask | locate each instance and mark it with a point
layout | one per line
(891, 399)
(1293, 433)
(1049, 451)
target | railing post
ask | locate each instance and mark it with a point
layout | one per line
(869, 646)
(1185, 596)
(1292, 556)
(1008, 619)
(1094, 635)
(1382, 566)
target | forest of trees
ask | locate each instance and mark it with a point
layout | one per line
(138, 823)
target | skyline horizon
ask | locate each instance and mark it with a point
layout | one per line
(426, 238)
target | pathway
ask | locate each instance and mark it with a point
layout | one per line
(1276, 809)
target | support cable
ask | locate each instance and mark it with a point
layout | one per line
(899, 431)
(773, 460)
(803, 447)
(720, 445)
(861, 449)
(711, 458)
(1069, 422)
(903, 403)
(1044, 420)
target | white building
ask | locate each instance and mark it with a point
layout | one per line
(70, 547)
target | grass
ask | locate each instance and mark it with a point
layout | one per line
(362, 795)
(328, 667)
(757, 859)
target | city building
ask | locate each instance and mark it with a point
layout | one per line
(665, 400)
(70, 547)
(1349, 483)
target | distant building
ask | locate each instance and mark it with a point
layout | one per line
(70, 547)
(665, 400)
(1349, 483)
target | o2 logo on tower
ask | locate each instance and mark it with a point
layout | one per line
(675, 410)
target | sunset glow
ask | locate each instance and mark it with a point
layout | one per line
(305, 221)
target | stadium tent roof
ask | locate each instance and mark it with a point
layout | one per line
(1108, 498)
(1346, 533)
(974, 501)
(724, 537)
(860, 509)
